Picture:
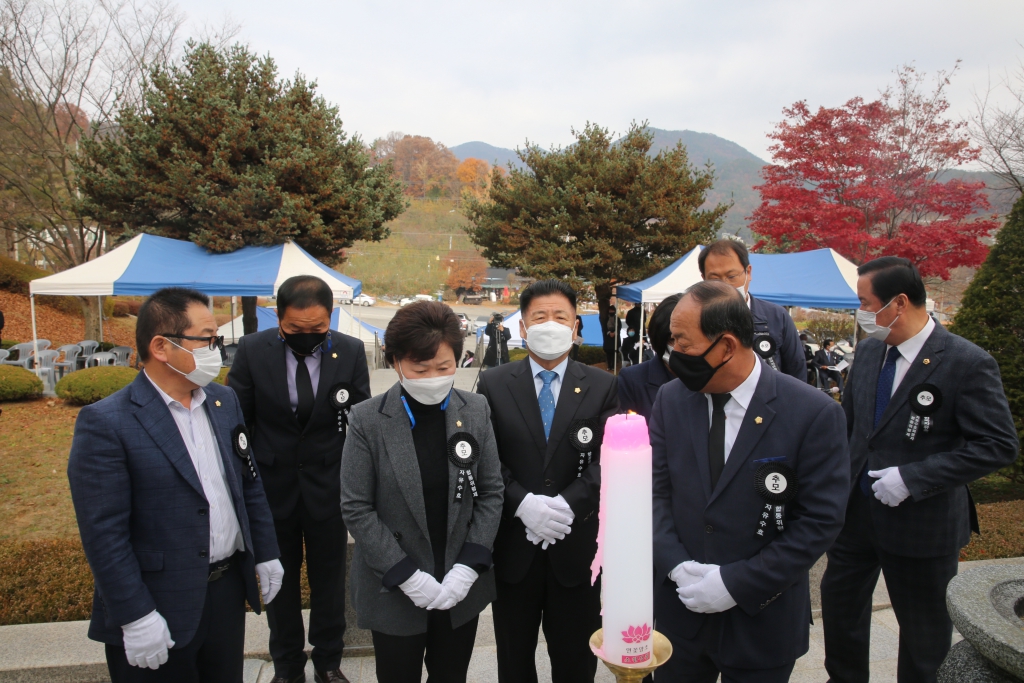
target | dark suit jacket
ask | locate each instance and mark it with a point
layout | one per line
(529, 465)
(767, 576)
(296, 463)
(639, 385)
(143, 516)
(773, 319)
(972, 435)
(823, 358)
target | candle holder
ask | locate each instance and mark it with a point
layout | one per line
(660, 653)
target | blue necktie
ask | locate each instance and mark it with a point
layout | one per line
(883, 394)
(546, 399)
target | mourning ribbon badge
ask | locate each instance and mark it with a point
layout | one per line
(463, 452)
(765, 347)
(243, 447)
(341, 399)
(582, 435)
(925, 401)
(777, 484)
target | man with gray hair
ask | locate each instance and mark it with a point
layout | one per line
(751, 469)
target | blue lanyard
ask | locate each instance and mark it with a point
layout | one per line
(412, 420)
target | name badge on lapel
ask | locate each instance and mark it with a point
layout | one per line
(582, 435)
(341, 398)
(777, 484)
(243, 447)
(463, 452)
(925, 401)
(765, 347)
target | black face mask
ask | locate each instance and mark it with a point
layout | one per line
(304, 343)
(694, 371)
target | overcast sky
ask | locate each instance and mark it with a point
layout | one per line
(510, 71)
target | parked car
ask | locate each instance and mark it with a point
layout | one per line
(464, 323)
(361, 300)
(474, 298)
(406, 300)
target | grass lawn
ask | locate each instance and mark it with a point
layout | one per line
(44, 576)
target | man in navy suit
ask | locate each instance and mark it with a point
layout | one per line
(926, 414)
(171, 508)
(750, 472)
(775, 335)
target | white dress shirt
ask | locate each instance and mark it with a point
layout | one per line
(736, 406)
(908, 352)
(197, 433)
(556, 383)
(291, 365)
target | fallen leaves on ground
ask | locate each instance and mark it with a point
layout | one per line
(1002, 532)
(57, 326)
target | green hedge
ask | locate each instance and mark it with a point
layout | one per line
(15, 276)
(94, 384)
(18, 384)
(589, 355)
(8, 343)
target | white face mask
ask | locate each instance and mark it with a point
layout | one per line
(868, 322)
(742, 289)
(208, 363)
(427, 390)
(549, 340)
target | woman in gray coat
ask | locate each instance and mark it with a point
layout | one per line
(421, 494)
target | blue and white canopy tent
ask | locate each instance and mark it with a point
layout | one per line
(147, 263)
(820, 278)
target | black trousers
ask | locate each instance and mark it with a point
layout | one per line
(325, 543)
(696, 660)
(917, 590)
(833, 375)
(569, 617)
(445, 651)
(214, 654)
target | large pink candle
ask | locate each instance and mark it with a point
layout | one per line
(624, 541)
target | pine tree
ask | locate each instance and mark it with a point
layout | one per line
(992, 316)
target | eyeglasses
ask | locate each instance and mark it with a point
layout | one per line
(214, 342)
(732, 279)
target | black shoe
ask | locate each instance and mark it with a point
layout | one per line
(301, 678)
(333, 676)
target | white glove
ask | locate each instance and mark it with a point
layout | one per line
(707, 595)
(559, 505)
(682, 577)
(455, 587)
(271, 575)
(422, 588)
(544, 521)
(146, 641)
(889, 488)
(535, 539)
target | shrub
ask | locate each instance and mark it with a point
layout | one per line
(835, 326)
(8, 343)
(18, 384)
(120, 309)
(15, 276)
(991, 316)
(222, 376)
(93, 384)
(517, 354)
(591, 355)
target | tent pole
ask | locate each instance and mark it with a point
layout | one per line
(351, 313)
(234, 339)
(100, 317)
(615, 333)
(642, 331)
(35, 337)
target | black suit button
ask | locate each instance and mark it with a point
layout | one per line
(300, 465)
(202, 553)
(202, 512)
(709, 528)
(871, 447)
(398, 536)
(469, 524)
(548, 482)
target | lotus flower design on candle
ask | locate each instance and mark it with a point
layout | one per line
(637, 634)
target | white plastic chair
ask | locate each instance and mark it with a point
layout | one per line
(88, 348)
(44, 361)
(24, 358)
(3, 354)
(70, 362)
(43, 344)
(102, 358)
(122, 353)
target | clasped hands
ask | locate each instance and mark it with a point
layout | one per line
(700, 587)
(427, 593)
(546, 519)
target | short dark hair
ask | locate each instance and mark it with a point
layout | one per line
(417, 331)
(826, 343)
(545, 288)
(892, 276)
(722, 310)
(724, 247)
(165, 312)
(304, 291)
(659, 328)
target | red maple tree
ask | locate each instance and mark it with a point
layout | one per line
(865, 179)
